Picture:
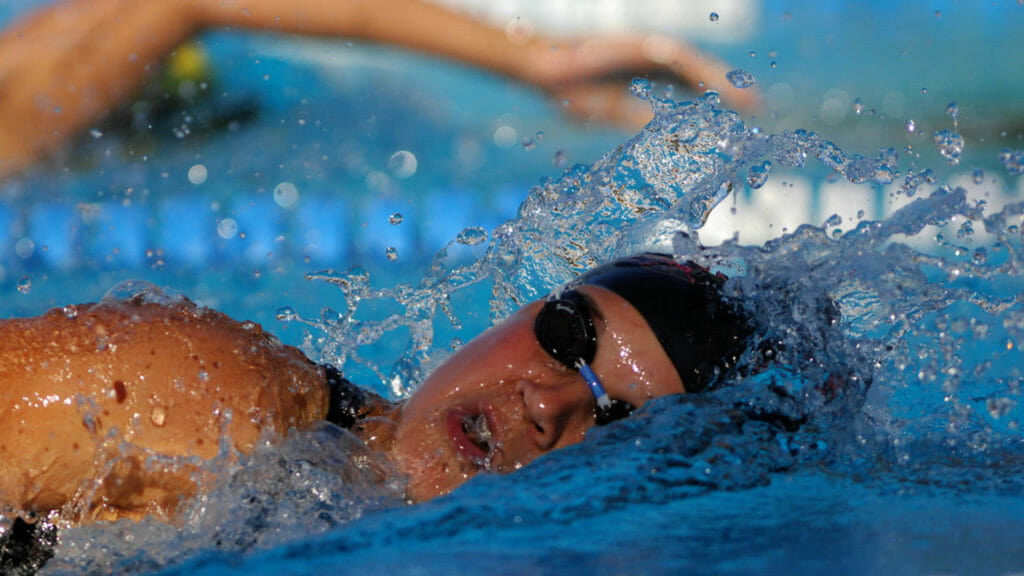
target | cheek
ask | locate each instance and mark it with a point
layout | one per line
(420, 454)
(637, 375)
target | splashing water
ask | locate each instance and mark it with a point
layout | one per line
(895, 349)
(740, 78)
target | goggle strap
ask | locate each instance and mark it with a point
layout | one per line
(603, 401)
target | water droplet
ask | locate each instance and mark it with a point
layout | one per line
(158, 417)
(752, 54)
(560, 159)
(950, 145)
(529, 144)
(203, 376)
(472, 236)
(924, 90)
(713, 16)
(540, 136)
(833, 221)
(1013, 161)
(911, 126)
(70, 312)
(773, 64)
(978, 176)
(858, 106)
(403, 164)
(456, 343)
(24, 248)
(860, 214)
(395, 219)
(197, 174)
(286, 195)
(953, 110)
(391, 253)
(227, 228)
(740, 78)
(758, 175)
(641, 88)
(999, 407)
(25, 285)
(980, 256)
(286, 314)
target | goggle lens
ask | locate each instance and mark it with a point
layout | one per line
(565, 330)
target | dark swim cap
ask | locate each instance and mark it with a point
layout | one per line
(701, 331)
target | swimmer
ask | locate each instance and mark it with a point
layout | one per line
(70, 64)
(148, 378)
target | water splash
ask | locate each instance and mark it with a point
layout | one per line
(1013, 161)
(889, 352)
(740, 78)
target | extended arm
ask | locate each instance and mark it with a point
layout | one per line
(66, 66)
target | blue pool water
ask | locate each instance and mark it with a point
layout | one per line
(920, 472)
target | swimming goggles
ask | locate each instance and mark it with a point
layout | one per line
(565, 330)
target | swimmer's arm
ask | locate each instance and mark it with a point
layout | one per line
(69, 64)
(563, 67)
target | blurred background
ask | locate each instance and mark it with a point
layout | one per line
(311, 154)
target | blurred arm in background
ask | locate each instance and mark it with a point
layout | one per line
(68, 65)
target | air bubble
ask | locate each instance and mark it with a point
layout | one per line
(713, 17)
(70, 312)
(978, 176)
(740, 78)
(858, 106)
(25, 285)
(395, 219)
(911, 126)
(391, 253)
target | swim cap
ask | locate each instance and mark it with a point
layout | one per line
(701, 331)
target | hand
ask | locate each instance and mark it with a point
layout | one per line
(588, 76)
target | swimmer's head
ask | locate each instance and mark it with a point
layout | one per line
(523, 387)
(701, 331)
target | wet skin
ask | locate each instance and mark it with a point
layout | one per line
(531, 403)
(166, 377)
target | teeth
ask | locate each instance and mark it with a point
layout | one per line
(477, 430)
(481, 429)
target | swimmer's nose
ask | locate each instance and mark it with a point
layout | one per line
(559, 413)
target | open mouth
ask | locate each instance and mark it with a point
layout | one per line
(472, 436)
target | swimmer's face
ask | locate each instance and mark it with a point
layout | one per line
(501, 400)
